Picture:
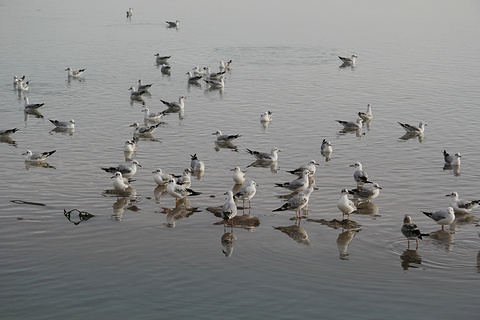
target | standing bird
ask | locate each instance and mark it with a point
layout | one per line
(345, 205)
(442, 217)
(462, 206)
(310, 166)
(366, 193)
(31, 106)
(75, 74)
(225, 137)
(160, 177)
(196, 164)
(411, 231)
(414, 129)
(246, 193)
(348, 61)
(119, 183)
(297, 203)
(263, 156)
(297, 185)
(359, 175)
(127, 170)
(175, 106)
(130, 145)
(37, 157)
(238, 175)
(451, 160)
(229, 209)
(366, 116)
(179, 192)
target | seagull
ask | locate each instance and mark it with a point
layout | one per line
(185, 178)
(179, 192)
(345, 205)
(225, 65)
(452, 160)
(266, 116)
(130, 145)
(359, 175)
(153, 116)
(31, 106)
(119, 182)
(23, 86)
(172, 24)
(161, 59)
(442, 217)
(229, 209)
(297, 202)
(413, 129)
(165, 69)
(160, 177)
(263, 156)
(70, 124)
(143, 130)
(297, 185)
(143, 87)
(348, 61)
(238, 175)
(17, 80)
(213, 75)
(37, 157)
(129, 12)
(127, 170)
(411, 231)
(197, 165)
(326, 147)
(193, 78)
(366, 116)
(351, 125)
(175, 105)
(366, 193)
(76, 73)
(246, 193)
(225, 137)
(7, 132)
(310, 166)
(462, 206)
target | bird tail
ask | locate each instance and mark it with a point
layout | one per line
(50, 153)
(164, 102)
(428, 214)
(193, 193)
(423, 235)
(110, 169)
(249, 151)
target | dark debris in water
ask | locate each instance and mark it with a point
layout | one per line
(82, 216)
(28, 202)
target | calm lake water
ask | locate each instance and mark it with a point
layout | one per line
(139, 257)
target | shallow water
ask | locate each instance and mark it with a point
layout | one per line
(133, 260)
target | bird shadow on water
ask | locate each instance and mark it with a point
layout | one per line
(182, 210)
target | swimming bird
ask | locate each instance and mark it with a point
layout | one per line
(130, 145)
(414, 129)
(70, 124)
(452, 160)
(311, 166)
(225, 65)
(366, 116)
(134, 94)
(345, 205)
(246, 193)
(442, 217)
(119, 182)
(263, 156)
(23, 86)
(193, 78)
(238, 175)
(76, 73)
(161, 59)
(225, 137)
(179, 192)
(411, 231)
(229, 209)
(172, 24)
(297, 185)
(198, 72)
(160, 177)
(359, 175)
(216, 83)
(366, 193)
(17, 80)
(185, 178)
(351, 125)
(143, 87)
(140, 130)
(213, 75)
(165, 69)
(129, 12)
(196, 164)
(7, 132)
(326, 147)
(37, 157)
(266, 116)
(348, 61)
(462, 206)
(175, 106)
(153, 116)
(128, 170)
(31, 106)
(297, 202)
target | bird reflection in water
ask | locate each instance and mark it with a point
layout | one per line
(181, 211)
(443, 239)
(159, 192)
(411, 135)
(119, 207)
(34, 112)
(368, 208)
(8, 140)
(344, 240)
(410, 259)
(225, 145)
(228, 242)
(455, 169)
(66, 131)
(296, 232)
(42, 164)
(265, 164)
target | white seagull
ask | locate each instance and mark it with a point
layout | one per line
(153, 116)
(238, 175)
(266, 116)
(229, 209)
(196, 164)
(173, 24)
(175, 106)
(462, 206)
(225, 137)
(310, 166)
(139, 130)
(143, 87)
(366, 193)
(351, 125)
(37, 157)
(414, 129)
(130, 145)
(127, 169)
(134, 94)
(326, 147)
(246, 193)
(452, 160)
(160, 177)
(297, 185)
(23, 86)
(119, 182)
(161, 59)
(366, 116)
(411, 231)
(442, 217)
(345, 205)
(31, 106)
(192, 78)
(76, 73)
(359, 175)
(297, 202)
(179, 192)
(348, 61)
(129, 12)
(185, 178)
(70, 124)
(263, 156)
(165, 69)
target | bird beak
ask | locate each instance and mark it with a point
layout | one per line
(352, 165)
